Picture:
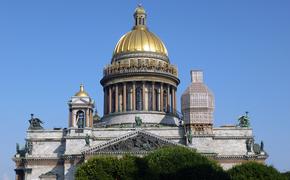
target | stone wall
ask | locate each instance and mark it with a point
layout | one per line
(227, 142)
(224, 141)
(38, 170)
(47, 148)
(147, 117)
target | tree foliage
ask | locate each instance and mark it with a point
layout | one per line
(171, 163)
(165, 163)
(182, 163)
(108, 168)
(253, 171)
(286, 175)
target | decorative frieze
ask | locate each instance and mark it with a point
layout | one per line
(140, 65)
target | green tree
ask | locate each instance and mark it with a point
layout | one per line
(108, 168)
(255, 171)
(286, 174)
(182, 163)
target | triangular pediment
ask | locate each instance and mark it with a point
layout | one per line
(137, 142)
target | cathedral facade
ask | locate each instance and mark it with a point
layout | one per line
(140, 115)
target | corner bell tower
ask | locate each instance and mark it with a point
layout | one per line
(81, 108)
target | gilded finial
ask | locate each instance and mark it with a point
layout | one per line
(81, 88)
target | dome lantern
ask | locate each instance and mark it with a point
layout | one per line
(140, 17)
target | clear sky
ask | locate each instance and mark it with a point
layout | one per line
(47, 48)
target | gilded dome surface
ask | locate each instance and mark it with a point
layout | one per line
(140, 39)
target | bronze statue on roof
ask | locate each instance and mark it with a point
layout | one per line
(35, 123)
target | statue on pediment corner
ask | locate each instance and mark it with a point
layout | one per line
(35, 123)
(244, 121)
(138, 121)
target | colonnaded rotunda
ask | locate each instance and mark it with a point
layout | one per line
(140, 115)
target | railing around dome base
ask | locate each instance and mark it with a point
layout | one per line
(140, 65)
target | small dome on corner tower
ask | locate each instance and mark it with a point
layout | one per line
(82, 92)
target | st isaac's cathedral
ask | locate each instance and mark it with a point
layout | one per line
(140, 115)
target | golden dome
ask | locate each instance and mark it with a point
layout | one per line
(82, 92)
(140, 39)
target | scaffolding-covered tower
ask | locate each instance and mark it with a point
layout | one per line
(197, 105)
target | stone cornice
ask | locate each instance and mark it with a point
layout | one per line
(202, 135)
(232, 137)
(105, 79)
(140, 55)
(244, 157)
(45, 131)
(89, 153)
(45, 139)
(162, 128)
(36, 158)
(64, 157)
(231, 128)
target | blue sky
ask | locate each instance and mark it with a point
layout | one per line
(47, 48)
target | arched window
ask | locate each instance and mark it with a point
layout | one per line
(80, 119)
(139, 98)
